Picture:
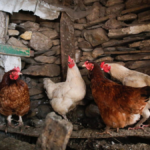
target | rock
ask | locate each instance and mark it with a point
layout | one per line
(43, 111)
(113, 2)
(50, 33)
(22, 17)
(10, 143)
(30, 26)
(49, 53)
(79, 26)
(85, 46)
(76, 114)
(87, 2)
(35, 91)
(82, 21)
(52, 25)
(96, 36)
(57, 61)
(77, 33)
(86, 57)
(15, 42)
(77, 56)
(92, 111)
(29, 60)
(12, 26)
(132, 4)
(95, 12)
(106, 59)
(138, 64)
(136, 29)
(40, 42)
(45, 59)
(56, 49)
(127, 17)
(36, 97)
(110, 49)
(37, 123)
(56, 42)
(144, 16)
(80, 64)
(132, 57)
(25, 42)
(54, 140)
(27, 35)
(97, 52)
(13, 32)
(113, 24)
(145, 70)
(115, 9)
(49, 70)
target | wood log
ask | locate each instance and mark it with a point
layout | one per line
(84, 133)
(67, 40)
(136, 29)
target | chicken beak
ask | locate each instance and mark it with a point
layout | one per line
(83, 65)
(19, 73)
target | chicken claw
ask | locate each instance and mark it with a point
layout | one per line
(106, 131)
(138, 127)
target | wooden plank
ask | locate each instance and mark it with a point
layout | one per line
(15, 51)
(67, 40)
(84, 133)
(3, 18)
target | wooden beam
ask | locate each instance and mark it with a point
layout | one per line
(15, 51)
(67, 40)
(84, 133)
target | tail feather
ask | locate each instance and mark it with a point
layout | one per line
(49, 85)
(146, 92)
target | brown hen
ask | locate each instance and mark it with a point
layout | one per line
(14, 96)
(119, 105)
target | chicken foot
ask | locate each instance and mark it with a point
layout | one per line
(106, 131)
(9, 124)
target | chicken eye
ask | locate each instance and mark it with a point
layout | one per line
(68, 62)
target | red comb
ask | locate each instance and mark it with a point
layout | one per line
(17, 69)
(102, 64)
(69, 58)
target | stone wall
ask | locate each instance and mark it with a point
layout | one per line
(115, 31)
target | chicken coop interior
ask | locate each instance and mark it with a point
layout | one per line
(85, 82)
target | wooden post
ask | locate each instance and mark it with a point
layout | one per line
(67, 40)
(3, 27)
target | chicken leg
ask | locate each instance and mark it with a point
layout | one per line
(8, 123)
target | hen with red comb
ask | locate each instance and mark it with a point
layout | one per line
(14, 96)
(64, 96)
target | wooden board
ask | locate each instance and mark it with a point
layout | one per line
(67, 40)
(15, 51)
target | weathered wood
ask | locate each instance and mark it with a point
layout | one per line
(67, 40)
(15, 51)
(55, 134)
(136, 9)
(3, 30)
(127, 52)
(95, 22)
(84, 133)
(136, 29)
